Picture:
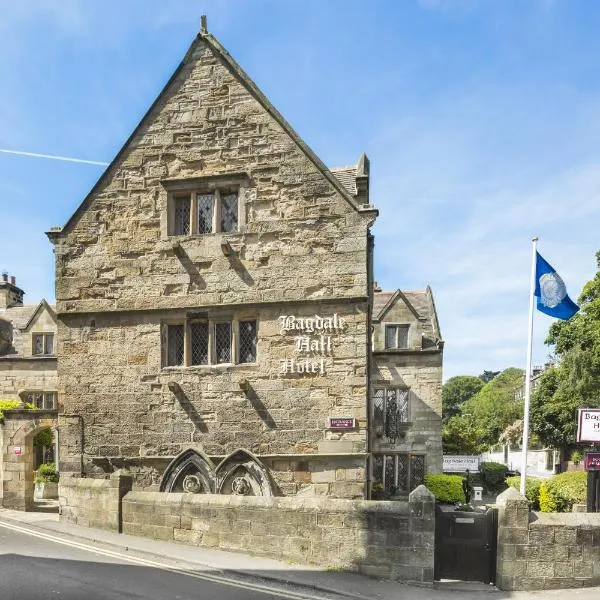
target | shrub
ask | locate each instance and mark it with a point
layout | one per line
(560, 492)
(576, 457)
(532, 489)
(446, 488)
(493, 475)
(46, 473)
(7, 405)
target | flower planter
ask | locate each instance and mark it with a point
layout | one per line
(45, 491)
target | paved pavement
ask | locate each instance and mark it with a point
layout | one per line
(155, 562)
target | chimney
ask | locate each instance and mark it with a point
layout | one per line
(376, 287)
(10, 294)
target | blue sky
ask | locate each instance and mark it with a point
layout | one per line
(481, 120)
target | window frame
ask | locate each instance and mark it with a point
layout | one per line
(45, 394)
(411, 459)
(212, 322)
(386, 389)
(397, 326)
(45, 335)
(192, 197)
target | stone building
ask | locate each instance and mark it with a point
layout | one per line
(214, 296)
(28, 375)
(406, 390)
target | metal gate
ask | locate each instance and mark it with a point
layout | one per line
(465, 545)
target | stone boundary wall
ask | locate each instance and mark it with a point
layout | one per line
(393, 540)
(93, 502)
(538, 551)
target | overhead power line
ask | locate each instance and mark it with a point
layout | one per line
(53, 157)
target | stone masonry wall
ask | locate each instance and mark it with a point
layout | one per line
(114, 378)
(32, 374)
(422, 374)
(301, 249)
(93, 502)
(393, 540)
(539, 551)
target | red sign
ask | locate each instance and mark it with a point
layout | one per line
(18, 450)
(592, 461)
(342, 423)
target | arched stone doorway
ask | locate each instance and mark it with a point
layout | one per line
(17, 464)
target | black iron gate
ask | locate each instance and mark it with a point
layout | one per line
(465, 545)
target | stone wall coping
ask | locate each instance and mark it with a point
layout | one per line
(566, 519)
(291, 503)
(511, 496)
(85, 482)
(30, 413)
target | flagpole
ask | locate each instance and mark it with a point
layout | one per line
(528, 370)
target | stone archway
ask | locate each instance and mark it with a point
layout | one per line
(16, 466)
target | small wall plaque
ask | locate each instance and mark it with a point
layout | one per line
(342, 423)
(18, 450)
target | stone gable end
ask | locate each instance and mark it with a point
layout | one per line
(299, 237)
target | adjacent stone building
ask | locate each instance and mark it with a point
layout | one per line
(214, 294)
(28, 376)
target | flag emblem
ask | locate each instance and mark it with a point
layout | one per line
(551, 292)
(552, 289)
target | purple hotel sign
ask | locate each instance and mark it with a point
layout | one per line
(592, 461)
(342, 423)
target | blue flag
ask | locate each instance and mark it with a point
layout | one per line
(551, 291)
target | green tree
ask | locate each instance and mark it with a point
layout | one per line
(575, 382)
(482, 419)
(457, 390)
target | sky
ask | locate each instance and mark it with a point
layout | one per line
(480, 118)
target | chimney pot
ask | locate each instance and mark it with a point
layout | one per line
(13, 279)
(4, 276)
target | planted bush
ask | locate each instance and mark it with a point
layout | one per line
(493, 475)
(46, 473)
(446, 488)
(560, 492)
(532, 489)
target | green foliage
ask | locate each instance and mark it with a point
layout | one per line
(445, 488)
(456, 391)
(482, 419)
(574, 383)
(532, 488)
(7, 405)
(44, 438)
(560, 492)
(46, 473)
(493, 475)
(576, 457)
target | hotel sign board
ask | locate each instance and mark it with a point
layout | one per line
(592, 461)
(588, 425)
(342, 423)
(459, 464)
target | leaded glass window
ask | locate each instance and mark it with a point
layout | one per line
(396, 474)
(389, 484)
(229, 212)
(181, 221)
(175, 345)
(206, 207)
(223, 342)
(390, 411)
(38, 344)
(248, 341)
(49, 343)
(199, 334)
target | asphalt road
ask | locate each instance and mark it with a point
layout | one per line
(40, 569)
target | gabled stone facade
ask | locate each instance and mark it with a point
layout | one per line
(140, 288)
(406, 397)
(214, 295)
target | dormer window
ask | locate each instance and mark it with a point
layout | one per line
(43, 344)
(396, 337)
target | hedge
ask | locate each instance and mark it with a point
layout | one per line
(446, 488)
(532, 489)
(493, 475)
(560, 492)
(46, 473)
